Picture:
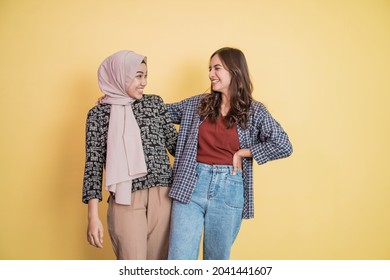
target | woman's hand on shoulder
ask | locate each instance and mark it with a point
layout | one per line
(100, 100)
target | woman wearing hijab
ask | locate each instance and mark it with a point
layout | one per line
(128, 134)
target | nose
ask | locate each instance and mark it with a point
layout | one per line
(211, 74)
(144, 82)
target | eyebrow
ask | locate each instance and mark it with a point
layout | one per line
(215, 65)
(141, 72)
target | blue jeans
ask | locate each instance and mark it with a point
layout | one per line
(216, 207)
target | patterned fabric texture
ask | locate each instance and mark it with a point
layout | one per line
(263, 136)
(158, 135)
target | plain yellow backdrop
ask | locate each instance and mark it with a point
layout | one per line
(322, 67)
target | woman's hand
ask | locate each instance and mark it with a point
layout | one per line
(95, 232)
(100, 99)
(237, 159)
(95, 226)
(237, 163)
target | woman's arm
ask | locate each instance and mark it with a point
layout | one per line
(272, 141)
(175, 111)
(93, 173)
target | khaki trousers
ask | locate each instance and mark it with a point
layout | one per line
(140, 231)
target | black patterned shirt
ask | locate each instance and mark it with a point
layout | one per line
(158, 135)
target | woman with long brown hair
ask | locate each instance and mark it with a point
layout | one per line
(220, 134)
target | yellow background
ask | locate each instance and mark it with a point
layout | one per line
(321, 67)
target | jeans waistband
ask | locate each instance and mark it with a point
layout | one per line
(215, 167)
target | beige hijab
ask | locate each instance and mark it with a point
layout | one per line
(125, 157)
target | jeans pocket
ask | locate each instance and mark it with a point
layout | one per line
(234, 190)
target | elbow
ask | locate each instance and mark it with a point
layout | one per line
(289, 150)
(286, 150)
(282, 150)
(285, 146)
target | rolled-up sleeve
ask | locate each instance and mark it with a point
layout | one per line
(271, 142)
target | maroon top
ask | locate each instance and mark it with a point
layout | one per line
(217, 144)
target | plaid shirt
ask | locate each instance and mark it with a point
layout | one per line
(264, 137)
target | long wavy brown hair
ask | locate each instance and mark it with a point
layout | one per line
(240, 89)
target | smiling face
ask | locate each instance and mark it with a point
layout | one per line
(219, 76)
(137, 85)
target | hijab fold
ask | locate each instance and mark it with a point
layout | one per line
(125, 159)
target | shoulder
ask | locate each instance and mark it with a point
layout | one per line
(99, 111)
(199, 96)
(151, 99)
(186, 103)
(258, 112)
(102, 107)
(194, 99)
(258, 107)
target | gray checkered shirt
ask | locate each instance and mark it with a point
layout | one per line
(264, 137)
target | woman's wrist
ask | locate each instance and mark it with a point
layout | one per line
(244, 153)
